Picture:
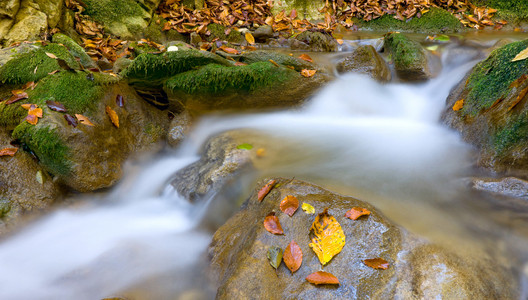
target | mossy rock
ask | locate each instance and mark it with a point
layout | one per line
(11, 115)
(494, 115)
(409, 57)
(35, 65)
(365, 60)
(218, 31)
(76, 50)
(280, 58)
(152, 70)
(318, 41)
(511, 10)
(436, 20)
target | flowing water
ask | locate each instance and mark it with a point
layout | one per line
(379, 143)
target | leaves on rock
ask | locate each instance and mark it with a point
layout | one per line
(308, 73)
(272, 224)
(275, 254)
(355, 212)
(71, 120)
(289, 205)
(113, 116)
(293, 256)
(249, 38)
(306, 57)
(274, 63)
(458, 105)
(245, 146)
(329, 237)
(321, 277)
(34, 113)
(521, 56)
(8, 151)
(229, 50)
(51, 55)
(56, 106)
(17, 95)
(377, 263)
(308, 208)
(84, 120)
(266, 189)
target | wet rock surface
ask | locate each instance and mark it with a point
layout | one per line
(418, 269)
(411, 61)
(366, 60)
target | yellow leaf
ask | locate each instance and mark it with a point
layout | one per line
(113, 116)
(522, 55)
(249, 38)
(458, 105)
(329, 237)
(308, 208)
(308, 73)
(340, 41)
(84, 120)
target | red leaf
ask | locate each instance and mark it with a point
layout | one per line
(229, 50)
(272, 224)
(293, 256)
(32, 119)
(377, 263)
(8, 151)
(120, 101)
(266, 189)
(293, 14)
(321, 277)
(357, 212)
(71, 120)
(56, 106)
(289, 205)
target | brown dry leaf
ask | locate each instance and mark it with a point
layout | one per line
(8, 151)
(306, 57)
(308, 73)
(56, 106)
(84, 120)
(377, 263)
(229, 50)
(28, 85)
(340, 41)
(293, 256)
(329, 237)
(272, 224)
(71, 120)
(289, 205)
(32, 119)
(266, 189)
(26, 106)
(521, 56)
(519, 98)
(51, 55)
(36, 111)
(249, 38)
(274, 63)
(113, 116)
(458, 105)
(357, 212)
(321, 277)
(17, 95)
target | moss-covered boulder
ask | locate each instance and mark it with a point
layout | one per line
(278, 57)
(75, 49)
(218, 31)
(366, 60)
(410, 59)
(87, 158)
(316, 41)
(418, 269)
(493, 115)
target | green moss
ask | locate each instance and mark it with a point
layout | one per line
(34, 65)
(218, 31)
(512, 10)
(154, 131)
(511, 134)
(152, 69)
(108, 11)
(280, 58)
(491, 78)
(407, 54)
(434, 21)
(140, 48)
(154, 32)
(76, 50)
(318, 41)
(215, 79)
(73, 89)
(5, 207)
(47, 146)
(11, 115)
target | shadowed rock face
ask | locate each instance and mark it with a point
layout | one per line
(411, 61)
(365, 60)
(418, 269)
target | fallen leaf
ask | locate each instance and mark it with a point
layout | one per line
(521, 56)
(245, 146)
(28, 85)
(249, 38)
(120, 101)
(266, 189)
(51, 55)
(32, 119)
(289, 205)
(36, 111)
(357, 212)
(84, 120)
(113, 116)
(293, 256)
(229, 50)
(321, 277)
(309, 209)
(274, 63)
(458, 105)
(56, 106)
(377, 263)
(261, 152)
(329, 237)
(39, 177)
(272, 224)
(306, 57)
(275, 256)
(8, 151)
(71, 120)
(17, 95)
(308, 73)
(340, 41)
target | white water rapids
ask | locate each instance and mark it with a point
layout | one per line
(356, 135)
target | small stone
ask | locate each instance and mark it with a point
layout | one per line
(195, 39)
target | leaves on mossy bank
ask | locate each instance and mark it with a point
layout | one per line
(521, 56)
(289, 205)
(266, 189)
(249, 38)
(34, 113)
(17, 95)
(329, 238)
(8, 151)
(56, 106)
(272, 224)
(71, 120)
(355, 212)
(306, 57)
(293, 256)
(84, 120)
(458, 105)
(114, 118)
(322, 277)
(377, 263)
(275, 255)
(308, 73)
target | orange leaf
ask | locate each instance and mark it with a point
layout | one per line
(32, 119)
(293, 256)
(51, 55)
(84, 120)
(229, 50)
(36, 111)
(113, 116)
(28, 85)
(289, 205)
(308, 73)
(340, 41)
(306, 57)
(329, 237)
(321, 277)
(8, 151)
(377, 263)
(26, 106)
(458, 105)
(266, 189)
(293, 14)
(272, 224)
(274, 63)
(17, 95)
(357, 212)
(249, 38)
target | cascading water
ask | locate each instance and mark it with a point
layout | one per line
(380, 143)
